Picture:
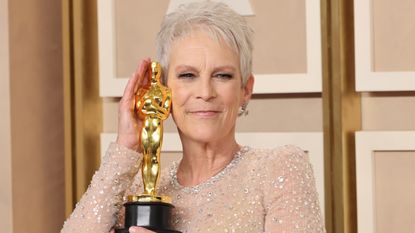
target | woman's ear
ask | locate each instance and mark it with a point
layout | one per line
(248, 88)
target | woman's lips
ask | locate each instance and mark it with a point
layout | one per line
(204, 113)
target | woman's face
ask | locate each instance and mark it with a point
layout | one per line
(206, 84)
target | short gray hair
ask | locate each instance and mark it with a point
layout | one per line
(215, 18)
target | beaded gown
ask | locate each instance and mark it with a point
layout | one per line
(258, 191)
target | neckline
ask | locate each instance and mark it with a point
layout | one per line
(212, 180)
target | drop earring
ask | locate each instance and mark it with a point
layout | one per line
(243, 111)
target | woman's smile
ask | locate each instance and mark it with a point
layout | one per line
(204, 113)
(205, 79)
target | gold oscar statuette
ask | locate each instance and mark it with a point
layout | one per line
(152, 104)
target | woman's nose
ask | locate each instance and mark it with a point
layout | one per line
(206, 89)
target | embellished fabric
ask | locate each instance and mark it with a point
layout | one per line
(98, 207)
(258, 191)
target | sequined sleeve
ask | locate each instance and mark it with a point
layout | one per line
(98, 207)
(291, 199)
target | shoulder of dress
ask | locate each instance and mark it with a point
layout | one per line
(278, 154)
(167, 173)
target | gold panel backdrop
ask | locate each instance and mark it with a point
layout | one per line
(83, 105)
(341, 115)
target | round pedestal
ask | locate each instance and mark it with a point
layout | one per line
(154, 216)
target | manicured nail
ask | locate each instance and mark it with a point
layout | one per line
(132, 230)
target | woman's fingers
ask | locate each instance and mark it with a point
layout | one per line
(112, 231)
(129, 89)
(139, 230)
(136, 79)
(142, 74)
(129, 125)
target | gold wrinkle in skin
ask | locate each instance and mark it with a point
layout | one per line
(152, 104)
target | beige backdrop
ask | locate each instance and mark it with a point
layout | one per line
(388, 111)
(278, 49)
(34, 122)
(393, 49)
(394, 35)
(32, 144)
(6, 206)
(394, 191)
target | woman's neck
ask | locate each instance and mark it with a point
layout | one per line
(203, 160)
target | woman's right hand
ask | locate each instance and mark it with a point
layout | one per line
(129, 124)
(139, 230)
(136, 230)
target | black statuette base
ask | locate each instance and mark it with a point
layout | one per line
(154, 216)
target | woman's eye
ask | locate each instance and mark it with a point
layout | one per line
(224, 76)
(186, 75)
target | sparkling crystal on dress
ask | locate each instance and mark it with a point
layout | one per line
(258, 191)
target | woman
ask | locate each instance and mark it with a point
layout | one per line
(219, 186)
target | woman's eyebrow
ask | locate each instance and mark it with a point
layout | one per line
(225, 67)
(180, 68)
(185, 67)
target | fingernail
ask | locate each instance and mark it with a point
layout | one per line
(133, 230)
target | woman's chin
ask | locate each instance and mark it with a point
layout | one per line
(205, 136)
(206, 131)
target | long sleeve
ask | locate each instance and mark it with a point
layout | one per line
(96, 211)
(291, 199)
